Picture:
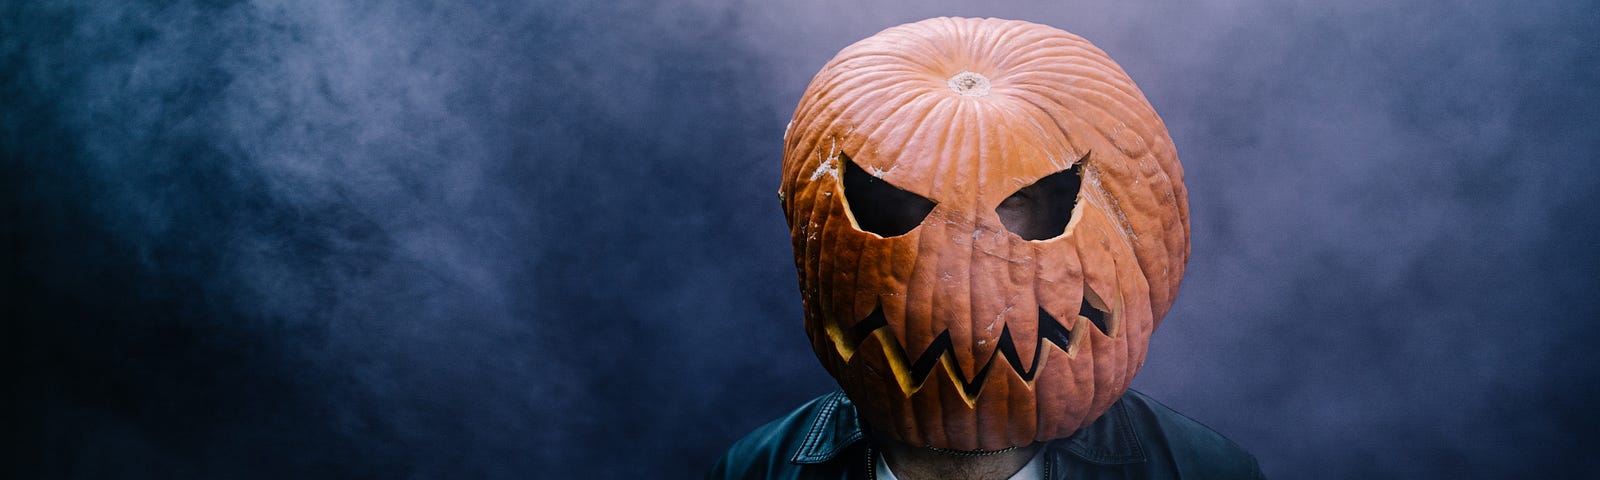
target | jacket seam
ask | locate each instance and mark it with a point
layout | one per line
(806, 448)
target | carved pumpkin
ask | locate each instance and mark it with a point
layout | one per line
(989, 220)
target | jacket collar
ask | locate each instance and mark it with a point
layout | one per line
(1110, 440)
(833, 429)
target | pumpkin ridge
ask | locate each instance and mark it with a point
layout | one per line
(903, 63)
(927, 48)
(996, 51)
(920, 296)
(978, 161)
(955, 144)
(1036, 117)
(1084, 79)
(823, 267)
(1130, 356)
(918, 121)
(1044, 66)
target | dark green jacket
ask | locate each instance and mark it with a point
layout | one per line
(1136, 439)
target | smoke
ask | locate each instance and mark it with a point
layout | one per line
(494, 239)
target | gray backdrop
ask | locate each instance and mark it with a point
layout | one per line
(533, 239)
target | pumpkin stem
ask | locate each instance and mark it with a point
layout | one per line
(969, 84)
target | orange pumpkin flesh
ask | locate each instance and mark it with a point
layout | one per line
(953, 330)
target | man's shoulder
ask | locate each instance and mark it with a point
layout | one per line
(1190, 447)
(774, 450)
(1138, 438)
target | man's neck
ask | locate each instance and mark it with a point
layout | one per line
(914, 463)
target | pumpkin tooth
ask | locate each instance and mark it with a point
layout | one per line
(1008, 350)
(1080, 330)
(847, 341)
(1096, 315)
(1053, 331)
(913, 374)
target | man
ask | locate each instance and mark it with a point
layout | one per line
(989, 220)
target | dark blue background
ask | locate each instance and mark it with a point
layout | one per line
(510, 239)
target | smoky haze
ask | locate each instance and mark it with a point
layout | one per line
(509, 239)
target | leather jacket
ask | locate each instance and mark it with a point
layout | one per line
(1136, 439)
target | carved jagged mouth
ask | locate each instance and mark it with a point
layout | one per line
(941, 350)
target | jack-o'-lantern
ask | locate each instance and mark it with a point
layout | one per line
(989, 220)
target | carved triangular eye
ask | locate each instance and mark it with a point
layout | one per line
(879, 207)
(1041, 211)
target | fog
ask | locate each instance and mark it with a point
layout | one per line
(509, 239)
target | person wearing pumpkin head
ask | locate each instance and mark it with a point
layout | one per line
(988, 220)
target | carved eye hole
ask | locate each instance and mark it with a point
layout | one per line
(1041, 211)
(879, 207)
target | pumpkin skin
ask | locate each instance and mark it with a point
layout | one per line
(959, 333)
